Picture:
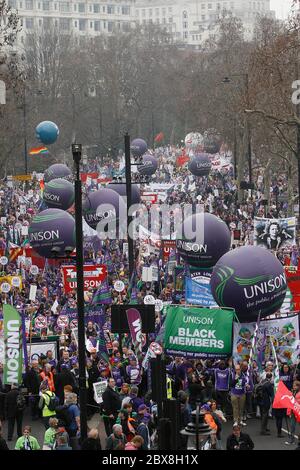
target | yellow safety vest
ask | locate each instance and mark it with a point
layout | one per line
(169, 388)
(46, 412)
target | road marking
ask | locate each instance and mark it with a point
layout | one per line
(284, 430)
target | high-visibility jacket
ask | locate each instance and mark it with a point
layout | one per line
(50, 380)
(169, 388)
(46, 412)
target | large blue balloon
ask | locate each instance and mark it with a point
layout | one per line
(121, 190)
(47, 132)
(149, 165)
(59, 193)
(58, 170)
(52, 228)
(200, 165)
(104, 205)
(249, 279)
(202, 239)
(138, 147)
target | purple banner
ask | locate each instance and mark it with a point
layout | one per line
(135, 326)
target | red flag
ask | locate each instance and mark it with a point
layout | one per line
(285, 399)
(159, 137)
(182, 159)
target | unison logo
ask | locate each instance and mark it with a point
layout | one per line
(264, 287)
(46, 235)
(190, 246)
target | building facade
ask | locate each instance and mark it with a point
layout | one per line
(83, 17)
(191, 22)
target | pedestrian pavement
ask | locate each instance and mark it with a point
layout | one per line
(271, 442)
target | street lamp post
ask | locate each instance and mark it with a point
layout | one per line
(25, 130)
(76, 151)
(129, 200)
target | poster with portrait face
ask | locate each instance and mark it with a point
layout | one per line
(274, 234)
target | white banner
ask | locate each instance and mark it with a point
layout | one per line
(274, 233)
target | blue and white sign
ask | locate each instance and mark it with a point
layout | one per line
(198, 291)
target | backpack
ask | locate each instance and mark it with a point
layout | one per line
(53, 402)
(258, 392)
(21, 403)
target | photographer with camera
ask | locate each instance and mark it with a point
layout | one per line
(239, 440)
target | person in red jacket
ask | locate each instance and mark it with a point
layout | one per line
(293, 419)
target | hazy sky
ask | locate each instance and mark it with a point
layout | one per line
(282, 7)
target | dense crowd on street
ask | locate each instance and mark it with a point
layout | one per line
(220, 390)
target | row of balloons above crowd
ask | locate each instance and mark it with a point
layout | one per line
(248, 279)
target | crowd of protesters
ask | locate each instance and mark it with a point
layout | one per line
(220, 389)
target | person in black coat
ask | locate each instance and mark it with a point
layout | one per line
(3, 445)
(92, 442)
(239, 440)
(12, 413)
(111, 406)
(32, 381)
(264, 401)
(63, 378)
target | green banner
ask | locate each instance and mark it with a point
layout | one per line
(12, 345)
(198, 332)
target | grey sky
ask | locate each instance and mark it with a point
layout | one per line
(282, 7)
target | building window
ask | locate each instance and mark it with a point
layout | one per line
(96, 8)
(110, 26)
(164, 20)
(46, 6)
(157, 11)
(40, 22)
(64, 6)
(64, 24)
(29, 23)
(46, 23)
(150, 12)
(203, 17)
(96, 25)
(170, 20)
(185, 35)
(203, 6)
(164, 12)
(209, 6)
(110, 9)
(29, 4)
(157, 20)
(232, 5)
(81, 7)
(125, 10)
(126, 26)
(219, 6)
(13, 3)
(143, 13)
(82, 25)
(39, 6)
(103, 9)
(91, 8)
(91, 24)
(185, 25)
(55, 6)
(21, 5)
(170, 9)
(75, 24)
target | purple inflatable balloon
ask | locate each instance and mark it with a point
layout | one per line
(59, 193)
(52, 228)
(58, 170)
(104, 204)
(149, 165)
(121, 190)
(249, 279)
(138, 147)
(203, 239)
(212, 143)
(200, 165)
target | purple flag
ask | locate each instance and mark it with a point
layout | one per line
(135, 326)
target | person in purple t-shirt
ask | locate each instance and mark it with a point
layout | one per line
(238, 394)
(221, 379)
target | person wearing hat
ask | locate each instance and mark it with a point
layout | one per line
(239, 440)
(142, 430)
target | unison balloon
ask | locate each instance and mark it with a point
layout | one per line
(138, 147)
(249, 279)
(149, 165)
(121, 190)
(58, 170)
(200, 165)
(202, 239)
(212, 141)
(47, 132)
(52, 228)
(105, 206)
(59, 193)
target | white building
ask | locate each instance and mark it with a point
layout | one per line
(85, 17)
(193, 21)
